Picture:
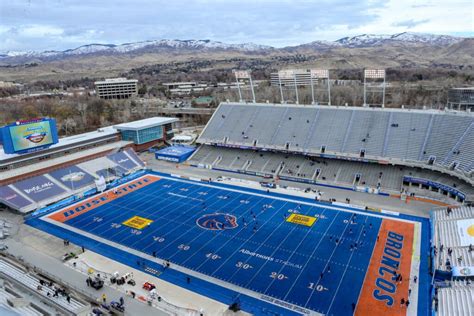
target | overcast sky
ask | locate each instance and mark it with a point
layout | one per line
(63, 24)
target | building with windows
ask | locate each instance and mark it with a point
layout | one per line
(147, 132)
(461, 98)
(186, 88)
(117, 88)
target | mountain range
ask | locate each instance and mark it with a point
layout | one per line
(176, 46)
(403, 50)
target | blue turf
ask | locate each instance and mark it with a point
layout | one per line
(175, 206)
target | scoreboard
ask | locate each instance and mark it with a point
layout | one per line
(29, 136)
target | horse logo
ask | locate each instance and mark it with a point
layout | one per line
(217, 221)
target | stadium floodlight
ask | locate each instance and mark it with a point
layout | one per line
(288, 74)
(243, 74)
(374, 74)
(320, 74)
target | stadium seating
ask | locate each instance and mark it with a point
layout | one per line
(27, 309)
(457, 213)
(399, 135)
(93, 166)
(42, 190)
(446, 234)
(133, 155)
(456, 296)
(456, 300)
(32, 283)
(331, 171)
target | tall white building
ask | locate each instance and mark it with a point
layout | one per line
(116, 88)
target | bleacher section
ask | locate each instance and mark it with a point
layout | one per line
(42, 190)
(446, 233)
(388, 178)
(400, 136)
(455, 295)
(26, 309)
(32, 283)
(456, 300)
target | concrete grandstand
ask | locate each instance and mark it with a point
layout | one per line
(41, 190)
(392, 150)
(452, 255)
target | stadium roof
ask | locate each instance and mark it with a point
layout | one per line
(145, 123)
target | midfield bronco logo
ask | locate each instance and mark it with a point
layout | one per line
(217, 221)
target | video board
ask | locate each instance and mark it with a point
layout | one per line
(28, 136)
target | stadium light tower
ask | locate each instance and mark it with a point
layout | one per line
(320, 74)
(244, 74)
(281, 89)
(376, 75)
(287, 74)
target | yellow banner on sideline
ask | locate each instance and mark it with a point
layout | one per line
(137, 222)
(301, 219)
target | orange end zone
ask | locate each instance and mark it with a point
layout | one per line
(381, 293)
(101, 199)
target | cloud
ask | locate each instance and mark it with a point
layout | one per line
(410, 23)
(63, 24)
(35, 31)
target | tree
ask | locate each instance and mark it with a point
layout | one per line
(142, 90)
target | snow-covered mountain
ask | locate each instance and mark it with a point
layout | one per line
(425, 38)
(315, 45)
(368, 40)
(165, 45)
(132, 47)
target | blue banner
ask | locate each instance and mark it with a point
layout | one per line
(39, 188)
(73, 177)
(9, 197)
(434, 184)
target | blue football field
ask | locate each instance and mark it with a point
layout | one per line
(243, 237)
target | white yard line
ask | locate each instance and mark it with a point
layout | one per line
(245, 242)
(176, 267)
(214, 237)
(291, 256)
(330, 257)
(345, 270)
(262, 195)
(266, 196)
(312, 254)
